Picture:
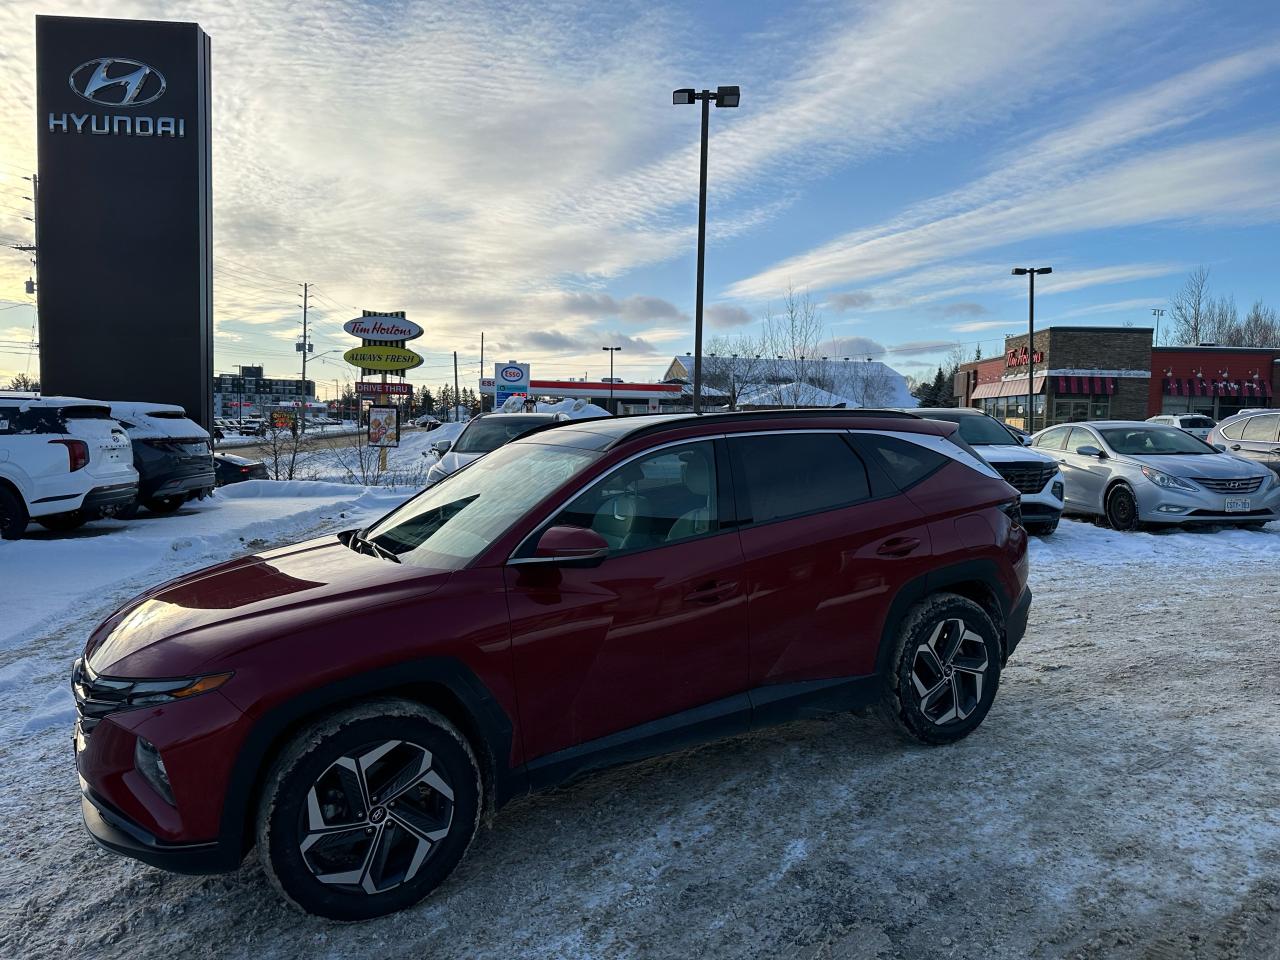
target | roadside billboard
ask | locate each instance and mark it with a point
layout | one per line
(384, 426)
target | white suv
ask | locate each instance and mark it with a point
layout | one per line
(1036, 476)
(1196, 424)
(63, 461)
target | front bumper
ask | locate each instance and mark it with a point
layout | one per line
(1173, 506)
(117, 833)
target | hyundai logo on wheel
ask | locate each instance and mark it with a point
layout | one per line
(117, 82)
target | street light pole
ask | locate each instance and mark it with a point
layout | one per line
(1030, 273)
(612, 350)
(722, 97)
(1157, 313)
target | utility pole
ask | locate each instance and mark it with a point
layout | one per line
(495, 388)
(306, 347)
(455, 385)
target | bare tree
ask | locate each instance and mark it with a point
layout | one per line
(1190, 309)
(793, 337)
(286, 449)
(1222, 322)
(732, 365)
(1260, 328)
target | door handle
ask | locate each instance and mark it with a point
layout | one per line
(712, 592)
(1235, 446)
(1062, 459)
(898, 546)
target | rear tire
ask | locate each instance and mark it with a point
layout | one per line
(59, 522)
(13, 515)
(944, 672)
(1122, 508)
(369, 810)
(163, 504)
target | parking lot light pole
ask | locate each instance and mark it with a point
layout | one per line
(612, 351)
(721, 97)
(1030, 274)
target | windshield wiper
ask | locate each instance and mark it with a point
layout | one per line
(362, 544)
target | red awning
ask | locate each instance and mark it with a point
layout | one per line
(1085, 386)
(1200, 387)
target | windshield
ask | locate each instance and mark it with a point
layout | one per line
(490, 433)
(1152, 441)
(978, 429)
(448, 525)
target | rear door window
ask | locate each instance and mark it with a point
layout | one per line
(1197, 423)
(1054, 439)
(1261, 428)
(1080, 437)
(783, 475)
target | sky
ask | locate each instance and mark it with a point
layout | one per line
(519, 170)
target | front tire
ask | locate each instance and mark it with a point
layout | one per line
(944, 672)
(369, 810)
(1122, 508)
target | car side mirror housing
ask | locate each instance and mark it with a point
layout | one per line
(1220, 447)
(1026, 441)
(442, 446)
(568, 547)
(1089, 450)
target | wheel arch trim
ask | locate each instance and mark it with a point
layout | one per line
(479, 716)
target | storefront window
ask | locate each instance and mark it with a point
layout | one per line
(1078, 409)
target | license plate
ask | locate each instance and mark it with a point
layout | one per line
(1238, 505)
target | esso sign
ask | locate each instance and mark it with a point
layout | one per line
(512, 374)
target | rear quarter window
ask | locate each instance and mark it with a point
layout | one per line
(1232, 431)
(906, 463)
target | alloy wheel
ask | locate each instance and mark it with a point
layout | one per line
(375, 816)
(948, 671)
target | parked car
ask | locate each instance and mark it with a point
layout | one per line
(482, 435)
(63, 461)
(602, 573)
(228, 468)
(1031, 473)
(1254, 436)
(173, 455)
(427, 422)
(1196, 424)
(1131, 473)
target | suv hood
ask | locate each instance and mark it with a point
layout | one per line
(174, 628)
(1011, 453)
(1213, 466)
(452, 462)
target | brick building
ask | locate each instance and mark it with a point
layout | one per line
(1096, 373)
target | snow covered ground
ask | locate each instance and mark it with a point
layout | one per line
(1120, 801)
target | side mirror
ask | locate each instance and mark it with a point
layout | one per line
(1220, 447)
(1089, 450)
(569, 547)
(1026, 441)
(442, 446)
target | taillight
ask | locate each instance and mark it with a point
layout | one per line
(1013, 510)
(77, 453)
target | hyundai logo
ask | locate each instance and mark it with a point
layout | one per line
(117, 82)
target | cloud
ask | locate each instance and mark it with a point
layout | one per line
(919, 347)
(857, 347)
(561, 343)
(1137, 307)
(600, 305)
(851, 300)
(727, 315)
(976, 325)
(968, 309)
(1085, 175)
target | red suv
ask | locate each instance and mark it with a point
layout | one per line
(594, 592)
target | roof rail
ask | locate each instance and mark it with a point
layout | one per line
(669, 422)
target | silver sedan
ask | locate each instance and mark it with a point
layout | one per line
(1135, 473)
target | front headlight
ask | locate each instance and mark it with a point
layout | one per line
(1167, 481)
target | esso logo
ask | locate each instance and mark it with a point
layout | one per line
(512, 374)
